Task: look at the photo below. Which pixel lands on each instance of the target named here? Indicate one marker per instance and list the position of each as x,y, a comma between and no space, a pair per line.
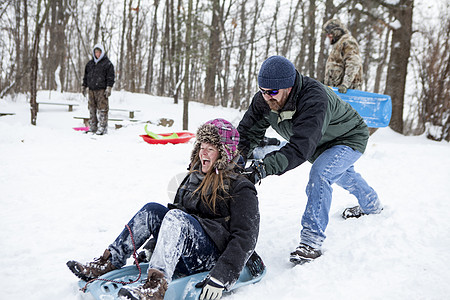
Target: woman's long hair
212,184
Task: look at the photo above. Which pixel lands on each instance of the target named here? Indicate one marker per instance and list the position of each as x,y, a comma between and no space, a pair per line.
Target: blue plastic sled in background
375,109
180,288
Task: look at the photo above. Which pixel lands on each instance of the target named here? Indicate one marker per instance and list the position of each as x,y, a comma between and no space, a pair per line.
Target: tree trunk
322,59
186,94
398,62
17,41
97,20
239,79
165,52
134,50
381,63
290,29
250,74
151,53
214,55
177,54
25,56
311,38
34,59
120,72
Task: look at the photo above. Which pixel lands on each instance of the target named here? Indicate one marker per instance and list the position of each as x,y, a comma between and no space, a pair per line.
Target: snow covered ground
65,195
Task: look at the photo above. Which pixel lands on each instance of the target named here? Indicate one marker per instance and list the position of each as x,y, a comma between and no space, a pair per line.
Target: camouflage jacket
344,64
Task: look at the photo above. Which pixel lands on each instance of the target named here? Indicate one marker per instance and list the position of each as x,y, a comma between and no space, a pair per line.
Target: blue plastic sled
375,109
180,288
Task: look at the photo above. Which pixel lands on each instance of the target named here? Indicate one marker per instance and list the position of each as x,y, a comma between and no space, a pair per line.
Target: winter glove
108,92
241,163
255,265
145,255
269,141
342,89
84,91
255,172
211,289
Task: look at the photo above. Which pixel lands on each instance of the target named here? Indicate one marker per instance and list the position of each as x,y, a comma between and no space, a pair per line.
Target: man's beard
273,104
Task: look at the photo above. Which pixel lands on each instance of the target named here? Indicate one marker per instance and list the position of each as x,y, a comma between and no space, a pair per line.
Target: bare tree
97,20
213,54
187,62
434,79
311,38
239,79
34,57
153,44
398,61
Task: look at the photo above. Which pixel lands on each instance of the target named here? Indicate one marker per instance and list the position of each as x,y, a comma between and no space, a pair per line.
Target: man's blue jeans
334,165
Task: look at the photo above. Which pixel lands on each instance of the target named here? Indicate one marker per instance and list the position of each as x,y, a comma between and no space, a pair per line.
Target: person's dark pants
98,110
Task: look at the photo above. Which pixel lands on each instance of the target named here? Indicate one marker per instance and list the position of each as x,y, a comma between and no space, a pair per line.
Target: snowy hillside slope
66,195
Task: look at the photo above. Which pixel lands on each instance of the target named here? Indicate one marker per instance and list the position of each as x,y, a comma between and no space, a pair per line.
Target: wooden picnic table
69,104
86,120
6,114
130,111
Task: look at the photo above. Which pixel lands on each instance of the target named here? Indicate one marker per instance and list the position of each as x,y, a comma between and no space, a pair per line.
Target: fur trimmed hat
221,134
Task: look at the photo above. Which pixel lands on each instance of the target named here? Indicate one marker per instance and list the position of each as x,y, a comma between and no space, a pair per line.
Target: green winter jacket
313,119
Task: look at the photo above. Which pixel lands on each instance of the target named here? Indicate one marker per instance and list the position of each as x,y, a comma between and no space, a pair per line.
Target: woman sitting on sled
212,225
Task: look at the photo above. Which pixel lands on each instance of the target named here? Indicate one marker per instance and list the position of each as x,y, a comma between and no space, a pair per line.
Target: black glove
147,252
269,141
241,162
255,172
342,89
255,264
211,288
84,90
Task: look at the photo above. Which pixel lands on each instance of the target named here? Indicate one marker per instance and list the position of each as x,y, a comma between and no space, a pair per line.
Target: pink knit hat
223,135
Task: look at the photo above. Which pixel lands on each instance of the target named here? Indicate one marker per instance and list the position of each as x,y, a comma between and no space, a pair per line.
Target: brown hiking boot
304,254
153,289
92,270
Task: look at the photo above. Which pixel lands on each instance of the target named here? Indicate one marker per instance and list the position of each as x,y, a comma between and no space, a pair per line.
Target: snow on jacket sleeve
244,230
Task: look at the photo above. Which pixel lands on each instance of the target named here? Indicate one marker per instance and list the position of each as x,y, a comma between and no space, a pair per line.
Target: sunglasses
269,92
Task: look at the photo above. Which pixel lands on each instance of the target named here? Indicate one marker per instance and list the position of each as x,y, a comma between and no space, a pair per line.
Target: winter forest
209,51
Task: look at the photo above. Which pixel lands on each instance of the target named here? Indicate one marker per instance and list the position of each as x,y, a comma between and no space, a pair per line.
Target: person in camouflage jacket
344,66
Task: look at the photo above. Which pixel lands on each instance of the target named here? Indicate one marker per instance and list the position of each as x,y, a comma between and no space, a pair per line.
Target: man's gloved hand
342,89
211,289
108,92
269,141
255,172
84,90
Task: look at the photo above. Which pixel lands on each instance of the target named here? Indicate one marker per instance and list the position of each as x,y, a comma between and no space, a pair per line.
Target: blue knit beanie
277,72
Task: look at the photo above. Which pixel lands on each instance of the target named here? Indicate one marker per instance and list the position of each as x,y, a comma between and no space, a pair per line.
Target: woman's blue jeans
181,242
334,165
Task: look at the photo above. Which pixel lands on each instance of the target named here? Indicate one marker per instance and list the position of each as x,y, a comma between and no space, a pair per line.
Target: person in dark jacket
320,128
98,81
212,225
